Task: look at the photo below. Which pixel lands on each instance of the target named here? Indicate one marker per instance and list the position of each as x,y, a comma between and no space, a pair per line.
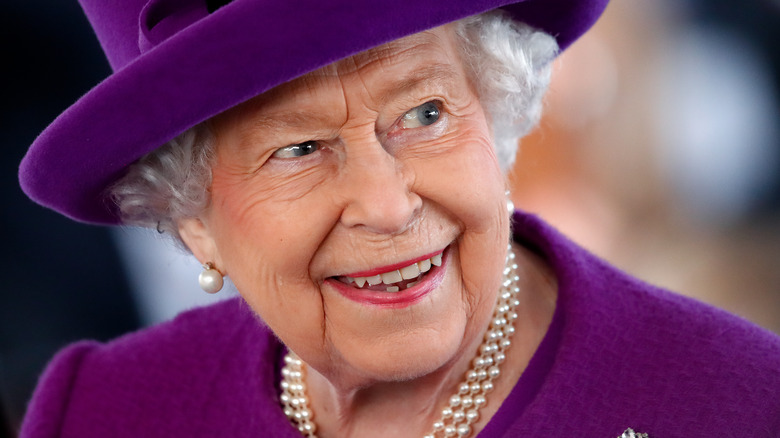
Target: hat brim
238,52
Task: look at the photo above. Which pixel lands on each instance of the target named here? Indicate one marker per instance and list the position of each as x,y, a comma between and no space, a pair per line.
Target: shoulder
160,378
634,355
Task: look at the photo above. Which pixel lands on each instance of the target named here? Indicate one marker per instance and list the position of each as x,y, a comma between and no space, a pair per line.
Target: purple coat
619,353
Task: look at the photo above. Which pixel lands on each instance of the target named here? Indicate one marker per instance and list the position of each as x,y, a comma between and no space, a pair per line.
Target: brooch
629,433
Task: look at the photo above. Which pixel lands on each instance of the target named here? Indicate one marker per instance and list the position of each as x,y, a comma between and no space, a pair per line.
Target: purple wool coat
618,354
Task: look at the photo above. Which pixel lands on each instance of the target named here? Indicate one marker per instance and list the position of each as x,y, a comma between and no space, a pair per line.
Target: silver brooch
629,433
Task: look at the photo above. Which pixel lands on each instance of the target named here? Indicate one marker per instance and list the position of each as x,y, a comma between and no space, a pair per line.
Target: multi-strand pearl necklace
463,407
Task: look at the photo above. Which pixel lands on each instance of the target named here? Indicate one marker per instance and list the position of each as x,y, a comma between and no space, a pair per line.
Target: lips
394,286
393,278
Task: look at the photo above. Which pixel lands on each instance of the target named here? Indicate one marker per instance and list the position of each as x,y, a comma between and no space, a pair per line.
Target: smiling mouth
395,279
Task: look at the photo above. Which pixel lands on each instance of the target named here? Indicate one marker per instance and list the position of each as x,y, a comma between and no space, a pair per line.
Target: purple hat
179,62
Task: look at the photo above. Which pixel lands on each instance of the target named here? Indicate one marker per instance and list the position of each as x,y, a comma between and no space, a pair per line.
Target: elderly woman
344,164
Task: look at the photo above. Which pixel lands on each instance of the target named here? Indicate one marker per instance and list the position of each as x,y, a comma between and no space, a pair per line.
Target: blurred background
659,151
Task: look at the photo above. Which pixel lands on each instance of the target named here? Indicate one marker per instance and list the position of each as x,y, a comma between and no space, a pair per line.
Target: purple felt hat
179,62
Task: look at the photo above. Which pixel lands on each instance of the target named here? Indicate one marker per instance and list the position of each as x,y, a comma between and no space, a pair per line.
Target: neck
379,409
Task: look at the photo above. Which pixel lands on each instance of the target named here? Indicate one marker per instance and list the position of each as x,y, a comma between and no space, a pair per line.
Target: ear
198,239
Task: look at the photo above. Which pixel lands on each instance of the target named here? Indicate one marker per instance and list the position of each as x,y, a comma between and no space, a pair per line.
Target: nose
378,193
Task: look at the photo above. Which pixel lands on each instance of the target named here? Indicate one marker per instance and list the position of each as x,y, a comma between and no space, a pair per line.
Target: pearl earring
210,279
510,206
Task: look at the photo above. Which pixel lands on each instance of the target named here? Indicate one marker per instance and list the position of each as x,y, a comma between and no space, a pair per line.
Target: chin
414,359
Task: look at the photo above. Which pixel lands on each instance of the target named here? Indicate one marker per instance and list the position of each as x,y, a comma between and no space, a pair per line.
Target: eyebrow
269,125
437,73
433,73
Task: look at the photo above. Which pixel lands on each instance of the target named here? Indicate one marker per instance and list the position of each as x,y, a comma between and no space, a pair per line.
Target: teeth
412,284
406,273
391,277
410,272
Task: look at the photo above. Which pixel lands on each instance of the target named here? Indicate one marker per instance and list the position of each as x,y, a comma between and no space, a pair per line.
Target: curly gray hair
508,62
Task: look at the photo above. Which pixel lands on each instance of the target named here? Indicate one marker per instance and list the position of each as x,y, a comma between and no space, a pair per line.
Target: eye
423,115
297,150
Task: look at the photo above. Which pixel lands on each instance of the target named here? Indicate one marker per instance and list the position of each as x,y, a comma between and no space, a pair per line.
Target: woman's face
366,169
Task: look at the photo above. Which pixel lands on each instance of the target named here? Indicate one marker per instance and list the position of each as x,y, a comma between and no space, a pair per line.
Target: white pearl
463,388
458,416
472,415
210,280
466,402
450,430
475,388
455,400
499,357
487,386
493,372
464,430
480,401
446,412
437,426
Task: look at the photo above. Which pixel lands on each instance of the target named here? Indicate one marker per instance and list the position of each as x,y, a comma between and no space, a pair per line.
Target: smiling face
334,190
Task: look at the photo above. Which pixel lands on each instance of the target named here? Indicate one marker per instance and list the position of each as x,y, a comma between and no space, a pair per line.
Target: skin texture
377,189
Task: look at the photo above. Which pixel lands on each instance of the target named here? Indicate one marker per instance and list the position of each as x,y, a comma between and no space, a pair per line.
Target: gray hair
508,62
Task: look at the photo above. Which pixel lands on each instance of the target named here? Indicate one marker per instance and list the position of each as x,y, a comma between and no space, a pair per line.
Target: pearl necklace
463,407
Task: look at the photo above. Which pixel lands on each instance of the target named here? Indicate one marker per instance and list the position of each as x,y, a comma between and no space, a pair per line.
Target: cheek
467,181
471,187
256,219
266,245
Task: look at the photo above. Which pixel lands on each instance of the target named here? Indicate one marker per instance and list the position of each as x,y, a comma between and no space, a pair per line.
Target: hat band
161,19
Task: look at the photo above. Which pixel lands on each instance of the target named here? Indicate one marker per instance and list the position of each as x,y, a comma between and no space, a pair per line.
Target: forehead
436,45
